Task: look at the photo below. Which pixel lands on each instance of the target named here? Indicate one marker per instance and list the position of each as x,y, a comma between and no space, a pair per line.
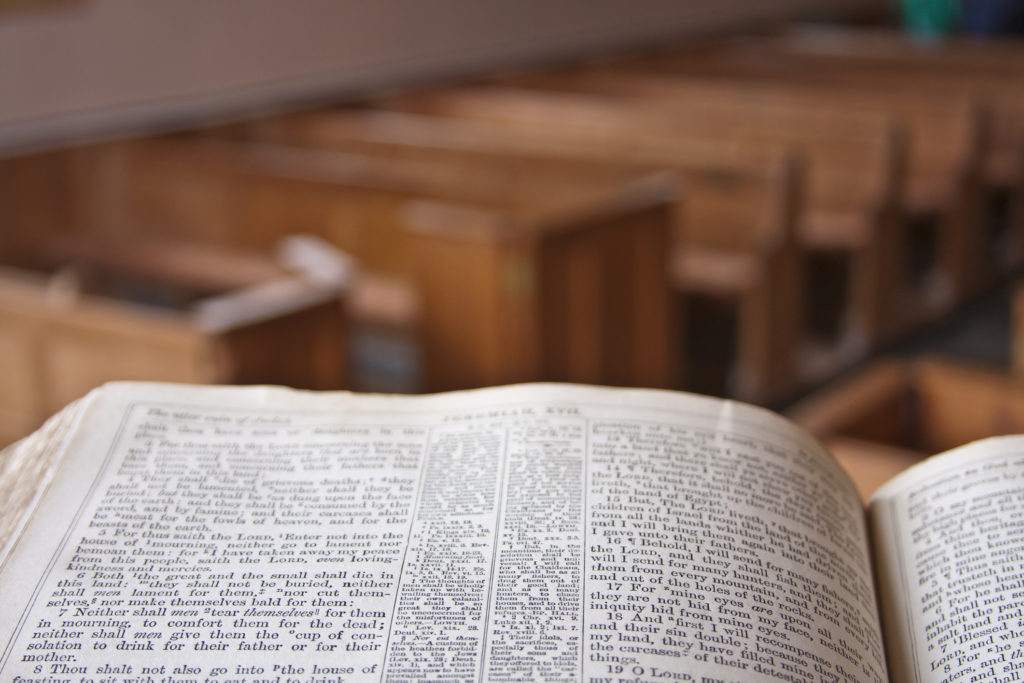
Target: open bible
167,533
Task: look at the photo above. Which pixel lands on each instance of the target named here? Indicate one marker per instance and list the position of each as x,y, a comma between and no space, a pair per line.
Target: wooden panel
59,340
465,283
101,178
873,405
85,347
870,464
926,406
607,311
34,194
307,349
959,404
64,349
22,398
581,296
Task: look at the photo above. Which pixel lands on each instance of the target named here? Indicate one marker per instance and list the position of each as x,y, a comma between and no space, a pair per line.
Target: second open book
535,532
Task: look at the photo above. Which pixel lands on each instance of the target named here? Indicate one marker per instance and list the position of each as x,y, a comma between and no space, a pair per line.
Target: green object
931,18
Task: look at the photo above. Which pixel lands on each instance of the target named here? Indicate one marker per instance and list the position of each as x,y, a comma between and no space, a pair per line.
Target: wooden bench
477,248
942,193
995,97
850,195
737,212
988,69
90,311
894,414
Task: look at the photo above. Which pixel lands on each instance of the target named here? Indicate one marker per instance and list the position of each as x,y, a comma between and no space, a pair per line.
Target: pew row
79,313
734,257
942,257
997,238
486,254
848,215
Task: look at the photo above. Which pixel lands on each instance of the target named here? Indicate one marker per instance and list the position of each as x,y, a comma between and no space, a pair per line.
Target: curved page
949,547
536,532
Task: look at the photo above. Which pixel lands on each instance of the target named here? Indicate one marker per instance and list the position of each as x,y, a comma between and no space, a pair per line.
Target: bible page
950,542
26,468
534,532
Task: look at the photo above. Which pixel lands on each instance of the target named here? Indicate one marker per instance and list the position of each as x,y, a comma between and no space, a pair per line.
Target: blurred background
813,205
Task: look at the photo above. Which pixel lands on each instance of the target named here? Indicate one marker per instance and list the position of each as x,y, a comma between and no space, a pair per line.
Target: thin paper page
950,536
542,532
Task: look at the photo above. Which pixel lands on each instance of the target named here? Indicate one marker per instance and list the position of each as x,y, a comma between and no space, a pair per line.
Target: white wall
89,68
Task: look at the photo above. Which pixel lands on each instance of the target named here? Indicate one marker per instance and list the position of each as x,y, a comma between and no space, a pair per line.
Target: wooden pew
91,311
734,227
942,191
850,196
484,268
990,70
997,96
893,414
575,295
